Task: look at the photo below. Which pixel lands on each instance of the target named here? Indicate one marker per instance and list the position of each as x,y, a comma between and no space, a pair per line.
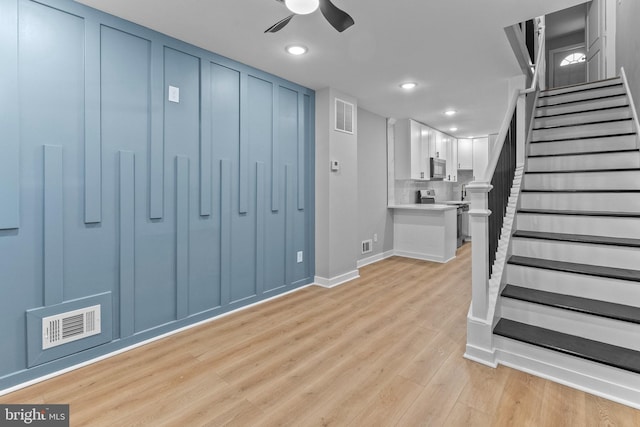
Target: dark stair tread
613,135
583,124
575,85
614,85
585,170
586,153
597,98
580,213
578,304
595,351
593,110
579,238
572,267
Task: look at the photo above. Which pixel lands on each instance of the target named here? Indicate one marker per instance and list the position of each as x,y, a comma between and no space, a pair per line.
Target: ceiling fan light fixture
302,7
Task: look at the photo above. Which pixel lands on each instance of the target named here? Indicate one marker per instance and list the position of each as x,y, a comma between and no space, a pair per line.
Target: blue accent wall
174,212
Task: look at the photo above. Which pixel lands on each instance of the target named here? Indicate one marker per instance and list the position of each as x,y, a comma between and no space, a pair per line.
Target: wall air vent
344,116
70,326
367,246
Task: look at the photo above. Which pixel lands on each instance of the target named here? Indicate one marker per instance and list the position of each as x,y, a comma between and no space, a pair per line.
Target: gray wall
337,192
373,215
628,44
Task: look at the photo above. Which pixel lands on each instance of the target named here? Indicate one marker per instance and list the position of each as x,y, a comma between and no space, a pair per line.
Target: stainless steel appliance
426,196
438,168
462,209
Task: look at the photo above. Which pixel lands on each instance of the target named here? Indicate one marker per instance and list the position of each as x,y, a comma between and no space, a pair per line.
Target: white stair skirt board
601,380
575,224
584,130
619,160
581,87
602,329
336,281
593,104
617,113
374,258
608,202
624,142
621,180
581,253
580,285
580,96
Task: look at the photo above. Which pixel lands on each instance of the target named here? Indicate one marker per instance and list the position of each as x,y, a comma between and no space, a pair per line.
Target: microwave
438,168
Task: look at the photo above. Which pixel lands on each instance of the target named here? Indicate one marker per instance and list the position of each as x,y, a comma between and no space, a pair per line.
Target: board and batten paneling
179,211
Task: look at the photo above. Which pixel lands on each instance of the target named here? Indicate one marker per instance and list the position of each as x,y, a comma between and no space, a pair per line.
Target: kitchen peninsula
425,231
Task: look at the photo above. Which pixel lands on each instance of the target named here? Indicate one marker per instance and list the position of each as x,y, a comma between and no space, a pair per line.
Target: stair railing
489,199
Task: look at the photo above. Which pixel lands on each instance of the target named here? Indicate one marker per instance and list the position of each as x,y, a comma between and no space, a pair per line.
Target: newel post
479,225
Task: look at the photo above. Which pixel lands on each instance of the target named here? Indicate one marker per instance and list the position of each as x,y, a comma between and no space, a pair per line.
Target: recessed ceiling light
453,129
450,112
302,7
408,85
296,50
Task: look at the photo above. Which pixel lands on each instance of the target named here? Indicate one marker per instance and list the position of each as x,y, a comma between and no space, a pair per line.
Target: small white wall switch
299,256
174,94
335,165
375,237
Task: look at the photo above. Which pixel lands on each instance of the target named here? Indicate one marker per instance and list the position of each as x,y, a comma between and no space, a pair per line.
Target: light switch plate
299,258
174,94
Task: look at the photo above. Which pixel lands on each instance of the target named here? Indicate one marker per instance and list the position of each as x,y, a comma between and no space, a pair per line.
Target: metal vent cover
344,116
367,246
70,326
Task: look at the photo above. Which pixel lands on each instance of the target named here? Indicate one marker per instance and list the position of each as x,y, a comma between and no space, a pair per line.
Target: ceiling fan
339,19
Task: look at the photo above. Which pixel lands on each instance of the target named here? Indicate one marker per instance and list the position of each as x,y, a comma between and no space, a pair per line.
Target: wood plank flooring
383,350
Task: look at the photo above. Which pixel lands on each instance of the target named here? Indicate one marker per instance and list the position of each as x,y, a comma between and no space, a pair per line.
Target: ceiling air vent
70,326
344,116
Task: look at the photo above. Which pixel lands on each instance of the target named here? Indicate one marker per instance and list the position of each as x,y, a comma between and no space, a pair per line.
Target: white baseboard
422,256
594,378
336,281
140,344
375,258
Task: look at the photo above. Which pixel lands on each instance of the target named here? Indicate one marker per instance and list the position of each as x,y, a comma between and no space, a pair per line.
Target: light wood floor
382,350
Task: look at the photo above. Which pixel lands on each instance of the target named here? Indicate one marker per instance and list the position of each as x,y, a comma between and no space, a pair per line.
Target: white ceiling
455,49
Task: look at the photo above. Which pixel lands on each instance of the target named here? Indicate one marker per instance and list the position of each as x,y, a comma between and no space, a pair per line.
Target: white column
479,225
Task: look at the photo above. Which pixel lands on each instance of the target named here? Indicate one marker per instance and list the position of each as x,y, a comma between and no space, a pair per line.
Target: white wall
373,216
628,44
336,194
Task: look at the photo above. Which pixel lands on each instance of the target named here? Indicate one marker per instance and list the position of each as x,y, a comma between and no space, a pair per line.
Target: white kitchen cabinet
465,154
452,159
480,157
411,151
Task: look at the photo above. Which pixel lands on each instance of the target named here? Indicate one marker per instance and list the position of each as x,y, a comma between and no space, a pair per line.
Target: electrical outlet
299,259
375,237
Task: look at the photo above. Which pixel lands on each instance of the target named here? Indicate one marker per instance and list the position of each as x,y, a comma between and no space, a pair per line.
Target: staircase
570,309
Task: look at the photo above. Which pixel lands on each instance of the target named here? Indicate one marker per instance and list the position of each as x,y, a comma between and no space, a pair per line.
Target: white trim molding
336,281
374,258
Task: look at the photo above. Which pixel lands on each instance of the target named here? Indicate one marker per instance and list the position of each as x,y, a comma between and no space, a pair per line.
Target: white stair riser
580,96
580,285
610,202
576,224
594,104
621,180
609,331
581,131
586,117
627,142
581,253
583,162
582,87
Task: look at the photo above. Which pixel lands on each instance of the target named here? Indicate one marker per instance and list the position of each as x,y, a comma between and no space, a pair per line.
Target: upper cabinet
415,144
465,154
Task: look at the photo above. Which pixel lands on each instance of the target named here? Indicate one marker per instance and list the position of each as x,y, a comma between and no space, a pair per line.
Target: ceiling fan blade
279,25
336,17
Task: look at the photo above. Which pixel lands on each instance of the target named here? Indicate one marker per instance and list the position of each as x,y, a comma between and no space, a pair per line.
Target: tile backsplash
405,190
